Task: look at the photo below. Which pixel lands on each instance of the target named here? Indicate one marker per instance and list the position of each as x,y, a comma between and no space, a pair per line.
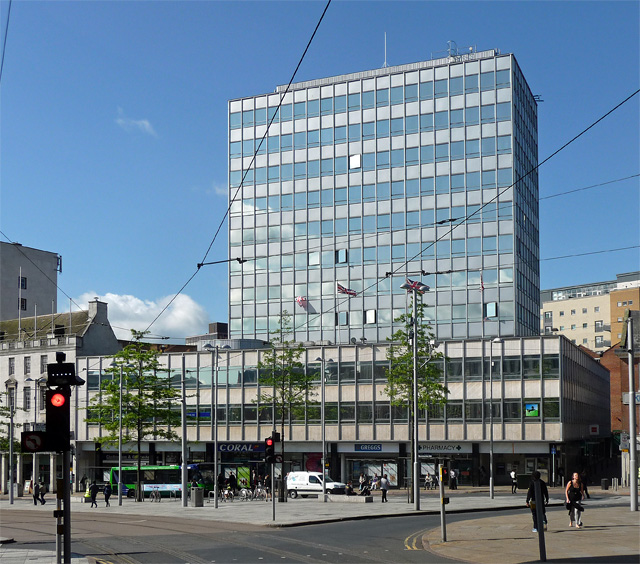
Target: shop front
372,459
458,456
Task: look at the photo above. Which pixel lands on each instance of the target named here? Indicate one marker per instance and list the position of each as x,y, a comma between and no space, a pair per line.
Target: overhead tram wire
215,236
266,133
588,187
4,43
466,219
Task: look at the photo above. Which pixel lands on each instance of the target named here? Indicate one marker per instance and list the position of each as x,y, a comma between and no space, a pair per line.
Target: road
136,539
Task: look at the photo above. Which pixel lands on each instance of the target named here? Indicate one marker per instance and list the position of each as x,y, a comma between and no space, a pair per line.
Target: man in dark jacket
531,499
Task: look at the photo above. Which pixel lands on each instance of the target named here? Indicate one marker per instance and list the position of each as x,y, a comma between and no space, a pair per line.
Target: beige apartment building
590,314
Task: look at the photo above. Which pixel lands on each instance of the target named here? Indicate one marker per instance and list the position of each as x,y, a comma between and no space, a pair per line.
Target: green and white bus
163,479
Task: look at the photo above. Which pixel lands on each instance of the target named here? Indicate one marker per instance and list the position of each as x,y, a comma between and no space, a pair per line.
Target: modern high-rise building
367,178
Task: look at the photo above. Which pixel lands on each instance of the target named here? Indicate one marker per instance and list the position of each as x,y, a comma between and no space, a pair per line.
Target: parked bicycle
155,495
260,494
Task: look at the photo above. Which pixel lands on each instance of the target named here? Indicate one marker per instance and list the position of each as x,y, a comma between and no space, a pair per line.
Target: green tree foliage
283,381
148,400
399,386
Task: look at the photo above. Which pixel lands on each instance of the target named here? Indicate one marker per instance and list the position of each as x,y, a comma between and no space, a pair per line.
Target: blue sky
113,131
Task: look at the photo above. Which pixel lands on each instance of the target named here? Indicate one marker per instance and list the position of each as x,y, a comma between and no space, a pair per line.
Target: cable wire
215,236
4,43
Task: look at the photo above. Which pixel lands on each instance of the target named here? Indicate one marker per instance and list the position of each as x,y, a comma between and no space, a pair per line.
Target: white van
310,483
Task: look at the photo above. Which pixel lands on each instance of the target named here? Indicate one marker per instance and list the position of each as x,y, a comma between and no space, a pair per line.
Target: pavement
611,532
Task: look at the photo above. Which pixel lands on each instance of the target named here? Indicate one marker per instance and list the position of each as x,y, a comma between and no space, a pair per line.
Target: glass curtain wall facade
367,178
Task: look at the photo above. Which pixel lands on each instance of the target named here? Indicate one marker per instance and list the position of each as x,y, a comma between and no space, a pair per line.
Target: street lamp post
120,442
415,288
491,489
11,400
322,422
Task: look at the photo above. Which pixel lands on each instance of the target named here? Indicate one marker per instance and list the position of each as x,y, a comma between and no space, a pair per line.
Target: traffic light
269,451
58,419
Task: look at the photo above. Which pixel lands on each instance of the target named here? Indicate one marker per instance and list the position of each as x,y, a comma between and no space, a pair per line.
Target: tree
148,400
399,386
286,385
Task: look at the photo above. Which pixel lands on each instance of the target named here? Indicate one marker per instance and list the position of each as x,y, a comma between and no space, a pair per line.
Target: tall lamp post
323,378
415,287
121,367
496,340
11,400
215,368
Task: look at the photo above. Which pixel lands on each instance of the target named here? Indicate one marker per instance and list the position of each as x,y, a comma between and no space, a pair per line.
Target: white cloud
183,318
129,124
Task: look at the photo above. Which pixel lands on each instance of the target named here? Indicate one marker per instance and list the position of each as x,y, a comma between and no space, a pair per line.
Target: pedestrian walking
384,487
36,493
453,480
107,494
43,491
531,500
83,482
514,482
93,490
574,494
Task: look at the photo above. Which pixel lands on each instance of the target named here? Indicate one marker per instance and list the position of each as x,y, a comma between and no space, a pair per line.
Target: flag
417,286
343,290
301,301
481,284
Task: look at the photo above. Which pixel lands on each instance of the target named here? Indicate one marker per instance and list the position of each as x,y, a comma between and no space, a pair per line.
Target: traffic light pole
66,500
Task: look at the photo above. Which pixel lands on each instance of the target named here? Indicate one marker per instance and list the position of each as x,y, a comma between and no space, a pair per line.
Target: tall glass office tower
424,170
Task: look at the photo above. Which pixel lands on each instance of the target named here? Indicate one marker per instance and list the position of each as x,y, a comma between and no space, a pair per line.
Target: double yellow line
414,541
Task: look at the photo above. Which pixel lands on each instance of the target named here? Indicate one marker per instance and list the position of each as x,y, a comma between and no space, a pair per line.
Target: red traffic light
269,442
58,400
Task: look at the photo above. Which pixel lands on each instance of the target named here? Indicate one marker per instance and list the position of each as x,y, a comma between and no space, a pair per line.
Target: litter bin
197,497
604,484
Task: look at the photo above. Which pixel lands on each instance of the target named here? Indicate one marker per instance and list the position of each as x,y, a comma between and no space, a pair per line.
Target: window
341,256
619,304
26,398
584,310
573,312
43,364
548,315
562,314
596,309
585,326
599,341
573,327
23,304
599,326
22,282
12,366
370,316
342,318
27,365
585,341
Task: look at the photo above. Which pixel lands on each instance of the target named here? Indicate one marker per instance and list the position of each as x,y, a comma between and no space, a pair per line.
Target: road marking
411,542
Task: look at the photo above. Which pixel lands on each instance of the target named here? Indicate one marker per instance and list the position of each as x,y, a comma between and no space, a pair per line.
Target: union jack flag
416,285
481,284
301,301
343,290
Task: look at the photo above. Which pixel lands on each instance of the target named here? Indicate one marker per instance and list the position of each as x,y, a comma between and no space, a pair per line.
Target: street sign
33,441
625,398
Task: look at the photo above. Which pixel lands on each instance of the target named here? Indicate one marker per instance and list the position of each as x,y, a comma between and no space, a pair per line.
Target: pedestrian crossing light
269,450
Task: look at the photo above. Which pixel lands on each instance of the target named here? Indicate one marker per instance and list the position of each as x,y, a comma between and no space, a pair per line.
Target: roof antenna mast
384,65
